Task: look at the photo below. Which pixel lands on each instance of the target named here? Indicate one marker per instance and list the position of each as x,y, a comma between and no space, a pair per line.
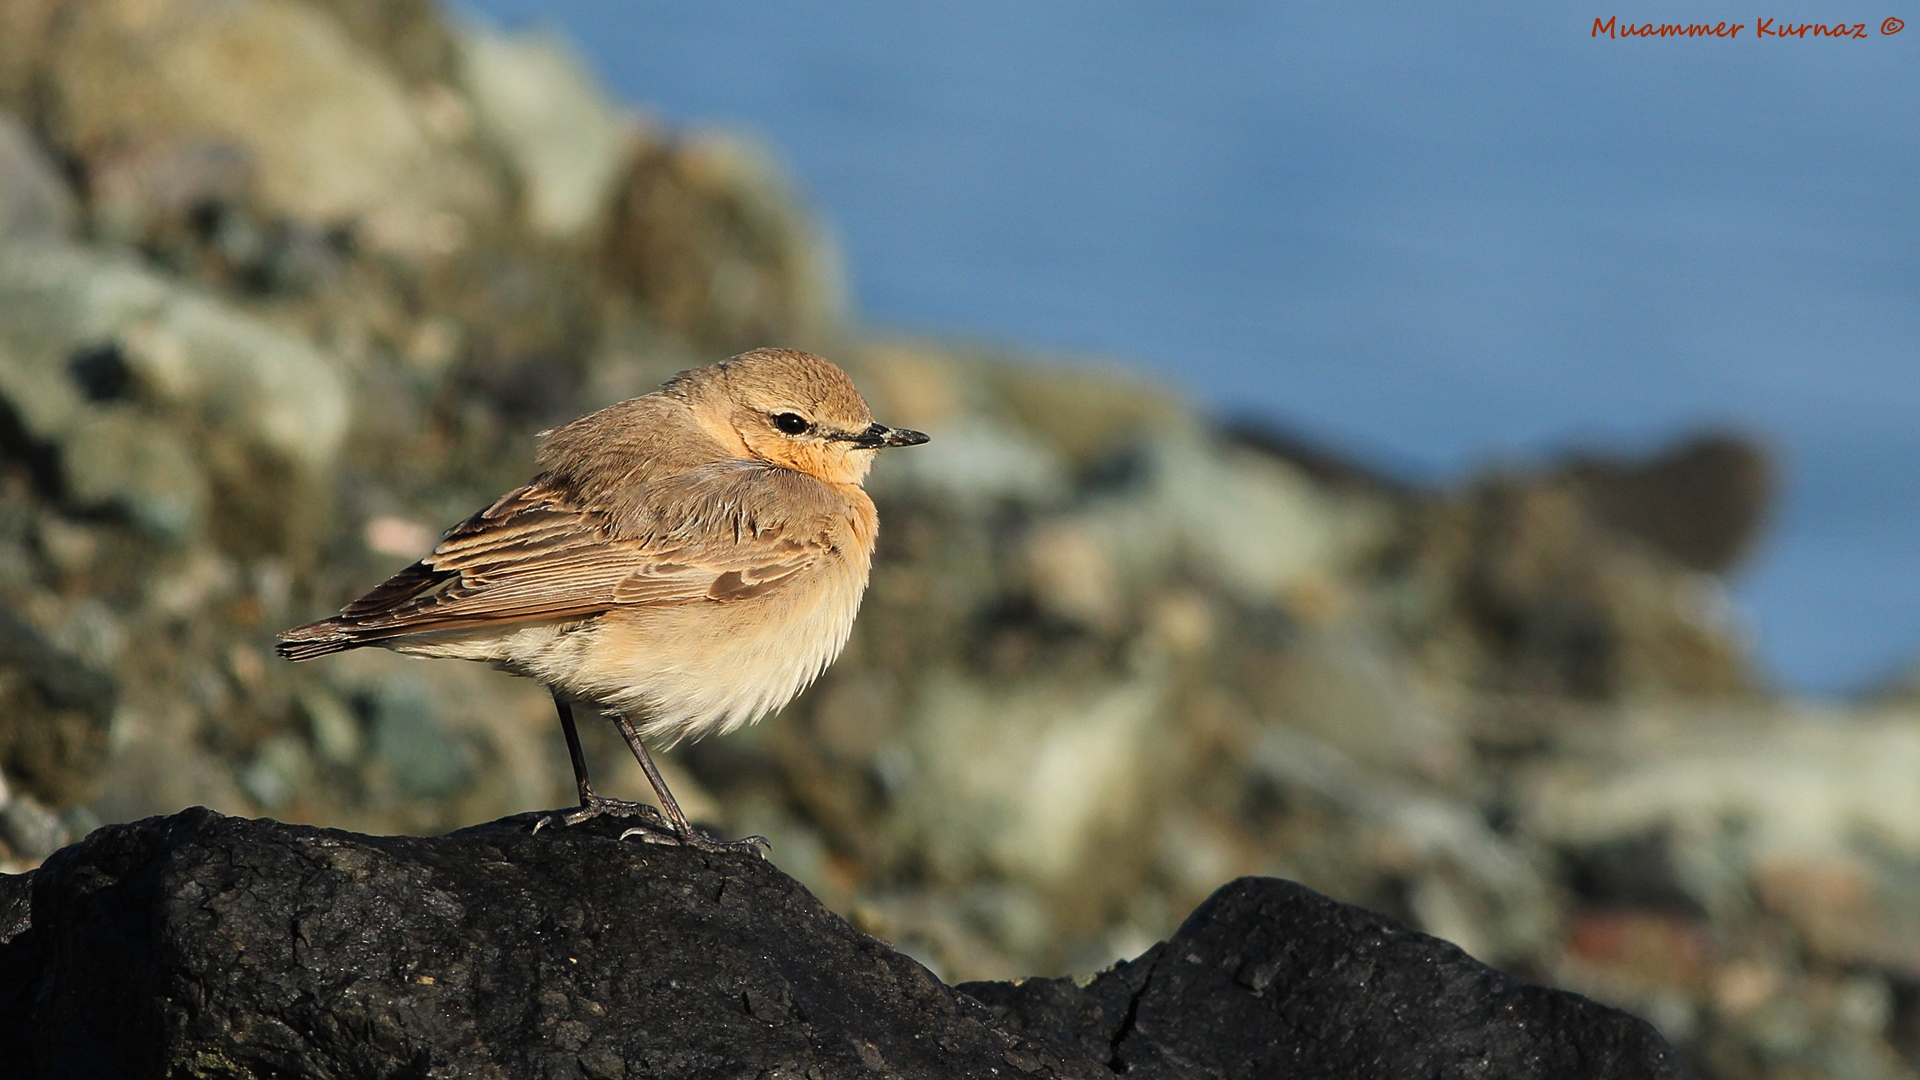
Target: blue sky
1436,238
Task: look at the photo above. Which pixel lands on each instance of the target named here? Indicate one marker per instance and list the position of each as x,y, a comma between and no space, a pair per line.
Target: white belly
689,670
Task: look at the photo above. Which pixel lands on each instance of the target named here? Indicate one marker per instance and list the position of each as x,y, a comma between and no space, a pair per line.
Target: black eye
791,423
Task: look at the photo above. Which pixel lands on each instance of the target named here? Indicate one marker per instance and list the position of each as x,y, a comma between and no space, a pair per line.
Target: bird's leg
683,829
592,805
578,755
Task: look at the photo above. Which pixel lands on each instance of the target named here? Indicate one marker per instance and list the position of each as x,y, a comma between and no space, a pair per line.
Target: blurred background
1456,462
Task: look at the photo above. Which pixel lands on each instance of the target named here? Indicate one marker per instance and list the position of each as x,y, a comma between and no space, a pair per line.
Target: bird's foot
593,806
699,841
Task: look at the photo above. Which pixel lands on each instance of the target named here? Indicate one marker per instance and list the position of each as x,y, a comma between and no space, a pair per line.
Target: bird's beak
900,436
879,435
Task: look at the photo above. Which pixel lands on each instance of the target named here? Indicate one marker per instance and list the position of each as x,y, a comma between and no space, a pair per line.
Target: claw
759,845
593,806
666,825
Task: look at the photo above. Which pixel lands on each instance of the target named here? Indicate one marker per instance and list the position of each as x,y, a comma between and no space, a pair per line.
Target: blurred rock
1326,466
567,141
1343,682
123,461
707,239
1813,816
55,712
980,462
29,832
1511,585
34,201
156,194
1248,523
920,386
1085,412
165,402
1033,782
411,36
409,744
1702,501
1479,890
23,29
336,137
527,320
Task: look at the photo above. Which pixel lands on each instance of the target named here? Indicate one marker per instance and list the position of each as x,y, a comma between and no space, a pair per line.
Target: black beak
879,435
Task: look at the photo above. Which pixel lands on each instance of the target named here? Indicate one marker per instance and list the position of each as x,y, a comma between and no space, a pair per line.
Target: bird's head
798,411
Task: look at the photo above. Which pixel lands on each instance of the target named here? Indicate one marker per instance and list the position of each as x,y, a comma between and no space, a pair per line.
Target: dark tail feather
346,630
317,639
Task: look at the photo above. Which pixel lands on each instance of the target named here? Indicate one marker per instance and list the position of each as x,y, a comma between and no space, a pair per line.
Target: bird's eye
791,423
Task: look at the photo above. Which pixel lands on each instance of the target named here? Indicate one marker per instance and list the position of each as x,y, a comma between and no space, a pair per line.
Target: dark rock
16,907
1704,501
20,965
1547,600
1269,978
1331,467
200,945
102,372
203,945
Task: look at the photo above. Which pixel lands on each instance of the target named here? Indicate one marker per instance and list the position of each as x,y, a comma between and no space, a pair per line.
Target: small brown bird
686,561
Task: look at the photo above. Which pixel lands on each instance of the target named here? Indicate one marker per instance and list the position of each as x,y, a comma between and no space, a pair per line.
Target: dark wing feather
532,557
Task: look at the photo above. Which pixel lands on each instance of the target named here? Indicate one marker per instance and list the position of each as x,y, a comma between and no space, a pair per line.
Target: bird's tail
369,620
317,639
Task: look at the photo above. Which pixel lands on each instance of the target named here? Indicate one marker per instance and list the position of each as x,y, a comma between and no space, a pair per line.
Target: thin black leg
573,749
667,802
682,828
592,805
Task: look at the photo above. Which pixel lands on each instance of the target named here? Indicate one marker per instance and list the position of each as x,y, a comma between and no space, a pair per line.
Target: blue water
1432,238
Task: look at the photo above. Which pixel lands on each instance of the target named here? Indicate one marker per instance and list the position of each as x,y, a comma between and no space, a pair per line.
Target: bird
686,562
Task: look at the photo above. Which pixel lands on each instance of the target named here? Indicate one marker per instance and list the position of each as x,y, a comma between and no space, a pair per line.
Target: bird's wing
532,556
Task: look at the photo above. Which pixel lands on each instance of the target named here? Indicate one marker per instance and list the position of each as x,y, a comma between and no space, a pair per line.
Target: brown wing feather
534,557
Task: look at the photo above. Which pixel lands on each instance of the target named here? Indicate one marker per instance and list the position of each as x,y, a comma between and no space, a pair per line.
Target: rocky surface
1268,978
202,945
287,286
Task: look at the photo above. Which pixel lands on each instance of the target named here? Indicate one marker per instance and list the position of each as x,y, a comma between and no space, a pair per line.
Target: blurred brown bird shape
686,561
